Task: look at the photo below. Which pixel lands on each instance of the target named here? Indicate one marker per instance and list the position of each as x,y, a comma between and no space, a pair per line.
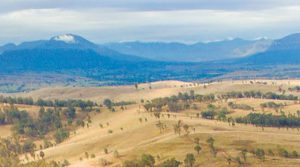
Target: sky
148,20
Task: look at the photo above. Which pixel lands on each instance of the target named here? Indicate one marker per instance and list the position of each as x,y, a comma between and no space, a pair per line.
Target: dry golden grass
117,93
138,138
5,131
144,137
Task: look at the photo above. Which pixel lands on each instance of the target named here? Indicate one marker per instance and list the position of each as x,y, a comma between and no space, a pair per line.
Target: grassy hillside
125,132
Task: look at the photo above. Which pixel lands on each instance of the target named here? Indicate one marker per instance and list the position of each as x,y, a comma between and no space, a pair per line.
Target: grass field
133,131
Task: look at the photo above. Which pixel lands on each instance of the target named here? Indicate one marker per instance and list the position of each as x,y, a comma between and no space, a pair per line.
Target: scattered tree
189,160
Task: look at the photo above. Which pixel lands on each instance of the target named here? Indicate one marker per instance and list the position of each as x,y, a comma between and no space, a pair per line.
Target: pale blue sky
148,20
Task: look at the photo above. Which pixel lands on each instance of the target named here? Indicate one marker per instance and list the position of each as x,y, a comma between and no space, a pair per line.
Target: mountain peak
70,40
67,38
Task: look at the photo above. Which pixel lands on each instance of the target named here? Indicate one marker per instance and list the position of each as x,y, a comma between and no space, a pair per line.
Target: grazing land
164,124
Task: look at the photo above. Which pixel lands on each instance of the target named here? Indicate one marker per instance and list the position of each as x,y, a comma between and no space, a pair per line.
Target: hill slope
134,131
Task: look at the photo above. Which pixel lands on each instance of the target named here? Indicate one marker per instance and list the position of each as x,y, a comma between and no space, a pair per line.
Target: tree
93,156
42,154
211,142
295,154
160,125
197,148
108,103
260,153
186,128
189,160
177,128
197,140
86,155
105,151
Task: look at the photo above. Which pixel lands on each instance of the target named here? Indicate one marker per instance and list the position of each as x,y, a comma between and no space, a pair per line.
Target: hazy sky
148,20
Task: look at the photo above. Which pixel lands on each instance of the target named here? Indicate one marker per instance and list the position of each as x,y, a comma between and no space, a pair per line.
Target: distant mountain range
281,51
233,48
60,53
132,62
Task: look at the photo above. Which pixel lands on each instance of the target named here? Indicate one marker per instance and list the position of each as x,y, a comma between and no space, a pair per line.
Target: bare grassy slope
158,89
137,138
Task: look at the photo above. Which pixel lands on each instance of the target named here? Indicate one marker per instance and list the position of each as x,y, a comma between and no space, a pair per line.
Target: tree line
270,120
183,101
48,103
257,94
272,105
296,88
178,102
